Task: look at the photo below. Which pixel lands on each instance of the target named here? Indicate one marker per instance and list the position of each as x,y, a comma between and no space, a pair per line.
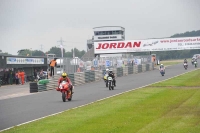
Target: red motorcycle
64,88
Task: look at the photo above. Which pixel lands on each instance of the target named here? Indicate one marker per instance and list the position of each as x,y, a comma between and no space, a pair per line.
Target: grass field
171,62
172,106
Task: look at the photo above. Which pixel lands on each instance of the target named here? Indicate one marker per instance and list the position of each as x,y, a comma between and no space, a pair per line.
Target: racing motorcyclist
64,77
111,74
162,66
185,61
105,76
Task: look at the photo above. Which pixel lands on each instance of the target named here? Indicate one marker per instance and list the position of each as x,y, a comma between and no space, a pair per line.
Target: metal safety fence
73,65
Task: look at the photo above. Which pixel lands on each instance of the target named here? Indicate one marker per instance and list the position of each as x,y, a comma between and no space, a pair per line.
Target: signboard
137,61
107,63
95,63
14,60
165,44
108,37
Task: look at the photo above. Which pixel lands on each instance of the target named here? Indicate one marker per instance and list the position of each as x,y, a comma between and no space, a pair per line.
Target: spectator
78,70
13,76
22,76
16,78
35,74
6,76
10,72
41,73
19,77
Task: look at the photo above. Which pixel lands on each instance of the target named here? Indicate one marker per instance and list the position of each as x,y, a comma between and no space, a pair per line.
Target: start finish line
165,44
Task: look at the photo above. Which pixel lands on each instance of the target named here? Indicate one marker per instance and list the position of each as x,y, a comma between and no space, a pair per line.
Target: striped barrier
125,71
130,70
139,68
144,67
119,72
135,69
147,67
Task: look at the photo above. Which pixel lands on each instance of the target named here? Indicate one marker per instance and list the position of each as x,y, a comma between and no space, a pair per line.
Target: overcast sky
26,24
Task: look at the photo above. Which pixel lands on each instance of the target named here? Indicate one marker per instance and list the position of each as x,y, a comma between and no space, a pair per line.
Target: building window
96,33
117,32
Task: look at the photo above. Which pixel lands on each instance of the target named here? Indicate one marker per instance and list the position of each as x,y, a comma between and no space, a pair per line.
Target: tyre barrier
119,72
130,70
42,87
147,67
87,77
139,68
33,87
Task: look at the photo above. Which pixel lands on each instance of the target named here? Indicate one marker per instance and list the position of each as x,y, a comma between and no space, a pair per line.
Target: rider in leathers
185,61
64,77
111,74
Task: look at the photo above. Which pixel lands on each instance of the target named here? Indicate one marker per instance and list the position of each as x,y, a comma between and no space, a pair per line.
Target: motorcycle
64,88
162,71
185,66
110,83
195,64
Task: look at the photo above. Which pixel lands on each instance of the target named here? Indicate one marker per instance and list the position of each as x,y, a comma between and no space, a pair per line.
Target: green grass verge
171,62
151,109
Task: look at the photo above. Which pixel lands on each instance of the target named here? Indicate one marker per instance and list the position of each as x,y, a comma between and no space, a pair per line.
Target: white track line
94,101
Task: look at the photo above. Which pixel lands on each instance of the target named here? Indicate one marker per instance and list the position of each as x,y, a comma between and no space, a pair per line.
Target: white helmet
161,64
107,70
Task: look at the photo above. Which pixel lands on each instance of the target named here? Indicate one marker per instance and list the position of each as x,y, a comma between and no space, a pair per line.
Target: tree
4,53
38,53
56,51
24,52
69,54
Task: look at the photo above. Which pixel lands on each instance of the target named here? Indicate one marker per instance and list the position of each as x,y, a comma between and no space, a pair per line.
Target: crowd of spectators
18,77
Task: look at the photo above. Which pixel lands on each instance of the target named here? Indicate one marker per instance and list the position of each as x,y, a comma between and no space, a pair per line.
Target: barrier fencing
94,75
73,65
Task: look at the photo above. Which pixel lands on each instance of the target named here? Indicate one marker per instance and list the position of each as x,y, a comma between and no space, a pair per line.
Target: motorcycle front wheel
109,86
63,96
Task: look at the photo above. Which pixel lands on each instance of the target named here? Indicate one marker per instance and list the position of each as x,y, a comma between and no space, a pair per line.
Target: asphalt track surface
17,110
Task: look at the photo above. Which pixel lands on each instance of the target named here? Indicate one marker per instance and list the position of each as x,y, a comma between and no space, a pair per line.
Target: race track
14,111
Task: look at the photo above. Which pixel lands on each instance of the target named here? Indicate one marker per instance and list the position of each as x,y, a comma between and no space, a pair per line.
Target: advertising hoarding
165,44
14,60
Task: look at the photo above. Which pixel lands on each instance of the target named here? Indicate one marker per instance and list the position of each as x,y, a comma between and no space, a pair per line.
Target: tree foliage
69,54
28,52
24,52
56,51
38,53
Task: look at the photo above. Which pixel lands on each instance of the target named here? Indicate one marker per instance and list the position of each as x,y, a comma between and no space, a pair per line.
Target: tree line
54,50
